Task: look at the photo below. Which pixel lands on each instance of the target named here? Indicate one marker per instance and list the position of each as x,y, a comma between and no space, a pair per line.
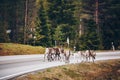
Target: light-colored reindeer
87,55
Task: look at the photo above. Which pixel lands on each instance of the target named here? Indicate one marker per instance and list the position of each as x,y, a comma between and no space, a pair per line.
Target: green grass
101,70
19,49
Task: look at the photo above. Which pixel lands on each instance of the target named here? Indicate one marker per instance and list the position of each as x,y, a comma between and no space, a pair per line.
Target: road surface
11,66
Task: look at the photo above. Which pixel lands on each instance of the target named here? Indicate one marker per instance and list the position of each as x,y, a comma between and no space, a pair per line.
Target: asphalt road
11,66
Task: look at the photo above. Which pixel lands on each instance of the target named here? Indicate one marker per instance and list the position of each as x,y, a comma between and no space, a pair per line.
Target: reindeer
87,55
62,54
82,55
65,55
57,54
46,53
50,54
92,54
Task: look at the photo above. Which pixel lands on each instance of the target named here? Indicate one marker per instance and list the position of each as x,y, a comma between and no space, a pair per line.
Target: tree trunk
25,28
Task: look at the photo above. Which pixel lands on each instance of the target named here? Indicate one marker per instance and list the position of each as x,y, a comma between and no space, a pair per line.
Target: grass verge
19,49
101,70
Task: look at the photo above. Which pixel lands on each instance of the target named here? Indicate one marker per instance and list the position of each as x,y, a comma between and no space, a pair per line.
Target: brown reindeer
49,53
65,55
87,55
57,54
52,54
92,54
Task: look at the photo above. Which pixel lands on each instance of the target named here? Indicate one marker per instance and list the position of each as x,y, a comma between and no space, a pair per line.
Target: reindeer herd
61,54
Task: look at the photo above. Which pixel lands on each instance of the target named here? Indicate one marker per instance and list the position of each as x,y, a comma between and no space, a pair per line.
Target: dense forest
90,24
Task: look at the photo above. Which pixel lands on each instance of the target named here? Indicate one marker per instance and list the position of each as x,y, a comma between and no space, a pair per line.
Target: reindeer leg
48,57
59,56
86,59
44,57
93,60
89,58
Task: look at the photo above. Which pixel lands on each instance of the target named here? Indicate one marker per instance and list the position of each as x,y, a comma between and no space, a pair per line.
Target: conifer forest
93,24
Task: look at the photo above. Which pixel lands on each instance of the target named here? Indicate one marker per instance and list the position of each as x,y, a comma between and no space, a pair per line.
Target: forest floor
100,70
19,49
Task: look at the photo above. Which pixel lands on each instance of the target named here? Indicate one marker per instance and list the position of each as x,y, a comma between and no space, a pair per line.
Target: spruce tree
61,13
109,22
43,27
58,36
90,39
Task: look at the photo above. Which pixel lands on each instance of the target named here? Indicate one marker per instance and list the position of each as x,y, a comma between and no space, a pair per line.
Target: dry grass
19,49
102,70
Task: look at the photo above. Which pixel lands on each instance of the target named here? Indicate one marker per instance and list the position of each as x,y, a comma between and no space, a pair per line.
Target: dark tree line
109,22
12,17
44,22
